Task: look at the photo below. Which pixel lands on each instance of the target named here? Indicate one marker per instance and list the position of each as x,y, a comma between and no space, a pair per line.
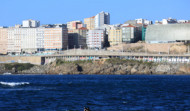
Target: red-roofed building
130,33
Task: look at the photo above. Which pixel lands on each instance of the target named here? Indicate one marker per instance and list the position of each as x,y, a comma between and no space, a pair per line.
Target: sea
98,92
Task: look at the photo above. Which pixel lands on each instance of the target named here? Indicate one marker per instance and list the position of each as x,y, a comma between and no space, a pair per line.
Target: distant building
115,36
74,24
168,33
95,38
130,33
143,21
55,38
90,23
77,37
139,22
101,19
182,21
3,40
32,39
167,21
30,23
140,29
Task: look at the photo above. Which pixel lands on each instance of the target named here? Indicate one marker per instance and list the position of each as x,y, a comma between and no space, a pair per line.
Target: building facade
55,38
167,33
74,24
30,40
90,23
95,38
3,40
77,37
101,19
115,36
129,33
30,23
143,21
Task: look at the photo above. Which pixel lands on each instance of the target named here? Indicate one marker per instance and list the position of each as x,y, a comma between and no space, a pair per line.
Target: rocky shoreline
103,67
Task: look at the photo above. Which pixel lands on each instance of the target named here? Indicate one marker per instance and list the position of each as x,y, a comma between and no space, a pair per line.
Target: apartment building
143,21
77,37
30,23
3,40
101,19
14,40
90,23
95,38
129,33
30,40
74,24
115,36
55,38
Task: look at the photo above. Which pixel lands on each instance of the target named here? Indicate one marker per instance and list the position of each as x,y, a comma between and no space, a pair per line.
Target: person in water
86,109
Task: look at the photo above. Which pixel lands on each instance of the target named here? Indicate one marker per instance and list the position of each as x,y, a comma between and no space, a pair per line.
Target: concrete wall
38,60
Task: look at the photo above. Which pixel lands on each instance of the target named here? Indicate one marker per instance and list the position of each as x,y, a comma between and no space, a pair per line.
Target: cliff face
113,66
116,66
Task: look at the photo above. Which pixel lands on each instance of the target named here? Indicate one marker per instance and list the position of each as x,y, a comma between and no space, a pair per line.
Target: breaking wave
12,84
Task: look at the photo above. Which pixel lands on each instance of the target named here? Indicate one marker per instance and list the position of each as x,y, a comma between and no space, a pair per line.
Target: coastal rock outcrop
110,66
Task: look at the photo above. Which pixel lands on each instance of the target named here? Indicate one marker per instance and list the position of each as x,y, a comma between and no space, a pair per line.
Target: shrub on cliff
59,62
18,66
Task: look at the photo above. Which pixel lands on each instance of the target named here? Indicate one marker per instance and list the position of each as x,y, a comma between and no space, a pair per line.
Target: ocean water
98,92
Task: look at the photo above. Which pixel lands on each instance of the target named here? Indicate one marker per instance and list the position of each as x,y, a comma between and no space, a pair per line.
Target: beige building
115,36
55,38
90,23
3,40
74,24
30,40
14,40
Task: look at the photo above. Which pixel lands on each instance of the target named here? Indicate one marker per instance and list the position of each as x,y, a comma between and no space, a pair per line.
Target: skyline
62,11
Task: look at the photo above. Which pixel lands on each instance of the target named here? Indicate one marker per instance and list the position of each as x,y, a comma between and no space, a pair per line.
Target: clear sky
61,11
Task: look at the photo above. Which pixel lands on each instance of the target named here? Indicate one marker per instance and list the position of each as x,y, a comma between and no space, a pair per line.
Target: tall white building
95,38
30,23
25,40
101,19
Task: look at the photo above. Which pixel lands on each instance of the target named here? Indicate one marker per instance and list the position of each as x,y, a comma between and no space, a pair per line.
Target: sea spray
12,84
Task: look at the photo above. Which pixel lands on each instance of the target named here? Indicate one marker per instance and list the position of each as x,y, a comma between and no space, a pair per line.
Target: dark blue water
100,93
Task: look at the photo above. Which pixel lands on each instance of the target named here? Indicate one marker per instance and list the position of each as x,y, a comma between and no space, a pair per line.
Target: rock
113,67
134,70
162,69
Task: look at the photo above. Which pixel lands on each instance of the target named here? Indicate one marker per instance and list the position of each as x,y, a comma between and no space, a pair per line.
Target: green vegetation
149,63
112,61
59,62
116,61
123,61
18,66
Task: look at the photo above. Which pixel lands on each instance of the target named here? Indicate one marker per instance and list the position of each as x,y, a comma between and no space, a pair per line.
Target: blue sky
61,11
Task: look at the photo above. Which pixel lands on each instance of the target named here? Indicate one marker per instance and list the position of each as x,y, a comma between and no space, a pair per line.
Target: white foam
12,84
